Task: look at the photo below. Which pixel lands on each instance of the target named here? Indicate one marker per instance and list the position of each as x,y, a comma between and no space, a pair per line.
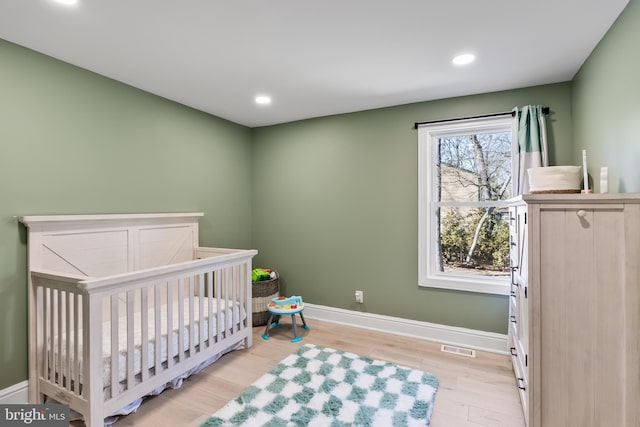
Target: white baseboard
463,337
17,394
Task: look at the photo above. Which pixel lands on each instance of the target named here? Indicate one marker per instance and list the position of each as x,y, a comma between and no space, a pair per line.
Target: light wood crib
121,306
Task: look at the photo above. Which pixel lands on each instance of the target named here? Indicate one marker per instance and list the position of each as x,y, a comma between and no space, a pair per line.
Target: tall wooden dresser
574,314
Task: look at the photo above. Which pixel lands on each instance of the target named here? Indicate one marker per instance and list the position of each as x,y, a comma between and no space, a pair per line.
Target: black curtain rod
545,110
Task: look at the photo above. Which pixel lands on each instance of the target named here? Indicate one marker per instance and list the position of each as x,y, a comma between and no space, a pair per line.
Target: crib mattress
236,313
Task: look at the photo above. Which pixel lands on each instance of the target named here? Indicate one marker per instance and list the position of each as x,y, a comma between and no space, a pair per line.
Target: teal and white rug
319,386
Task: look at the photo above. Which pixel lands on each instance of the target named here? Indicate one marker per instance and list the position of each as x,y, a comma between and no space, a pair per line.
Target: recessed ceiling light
464,59
67,2
263,99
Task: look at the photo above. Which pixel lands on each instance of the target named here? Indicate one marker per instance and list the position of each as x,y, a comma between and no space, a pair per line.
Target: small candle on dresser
585,183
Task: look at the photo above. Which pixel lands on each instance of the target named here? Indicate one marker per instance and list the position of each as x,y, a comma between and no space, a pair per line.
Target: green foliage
454,242
457,233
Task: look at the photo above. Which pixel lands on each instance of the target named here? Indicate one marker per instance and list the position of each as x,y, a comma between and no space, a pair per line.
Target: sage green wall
606,105
74,142
335,202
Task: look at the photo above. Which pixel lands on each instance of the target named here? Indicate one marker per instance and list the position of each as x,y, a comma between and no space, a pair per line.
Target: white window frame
428,276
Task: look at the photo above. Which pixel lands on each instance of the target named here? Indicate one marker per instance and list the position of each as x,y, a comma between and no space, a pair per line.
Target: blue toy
282,306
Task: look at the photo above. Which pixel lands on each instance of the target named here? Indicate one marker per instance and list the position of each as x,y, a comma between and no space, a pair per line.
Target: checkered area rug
319,386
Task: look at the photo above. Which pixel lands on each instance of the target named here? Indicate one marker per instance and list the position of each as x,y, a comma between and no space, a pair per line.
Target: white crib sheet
137,359
239,314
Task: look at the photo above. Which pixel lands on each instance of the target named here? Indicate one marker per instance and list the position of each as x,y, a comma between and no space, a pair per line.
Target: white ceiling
314,58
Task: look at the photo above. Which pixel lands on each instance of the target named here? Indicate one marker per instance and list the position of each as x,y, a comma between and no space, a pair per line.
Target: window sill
467,284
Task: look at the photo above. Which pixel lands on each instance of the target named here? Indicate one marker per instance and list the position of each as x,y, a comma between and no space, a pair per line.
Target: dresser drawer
518,360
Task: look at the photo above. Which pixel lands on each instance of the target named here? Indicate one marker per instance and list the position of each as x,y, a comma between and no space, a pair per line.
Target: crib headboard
104,245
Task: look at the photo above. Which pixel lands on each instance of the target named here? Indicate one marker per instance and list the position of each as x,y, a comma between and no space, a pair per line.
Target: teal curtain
529,144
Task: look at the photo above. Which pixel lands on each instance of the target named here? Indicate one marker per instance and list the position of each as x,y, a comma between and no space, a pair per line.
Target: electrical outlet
360,296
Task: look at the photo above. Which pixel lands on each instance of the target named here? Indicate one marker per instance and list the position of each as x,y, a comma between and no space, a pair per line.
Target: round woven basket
262,293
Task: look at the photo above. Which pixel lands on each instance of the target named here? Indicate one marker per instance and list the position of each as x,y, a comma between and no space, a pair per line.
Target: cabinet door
581,298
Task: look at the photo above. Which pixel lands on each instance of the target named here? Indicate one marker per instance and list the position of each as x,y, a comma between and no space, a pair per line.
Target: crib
123,306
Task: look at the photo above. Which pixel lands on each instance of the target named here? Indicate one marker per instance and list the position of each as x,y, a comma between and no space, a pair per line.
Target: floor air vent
458,350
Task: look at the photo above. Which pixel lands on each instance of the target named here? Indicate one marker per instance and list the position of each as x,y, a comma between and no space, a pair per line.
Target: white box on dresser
574,312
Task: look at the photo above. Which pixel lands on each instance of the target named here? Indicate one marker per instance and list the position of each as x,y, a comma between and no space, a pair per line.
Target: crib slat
201,317
53,332
241,292
229,307
241,295
157,316
231,271
240,301
234,298
210,302
227,294
46,368
115,338
77,340
247,302
192,322
180,320
68,310
144,323
130,339
219,278
59,332
170,325
222,306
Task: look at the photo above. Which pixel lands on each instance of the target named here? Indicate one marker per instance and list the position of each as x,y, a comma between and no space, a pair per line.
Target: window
464,181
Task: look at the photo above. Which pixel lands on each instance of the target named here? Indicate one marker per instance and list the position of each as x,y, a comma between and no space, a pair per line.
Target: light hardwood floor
476,392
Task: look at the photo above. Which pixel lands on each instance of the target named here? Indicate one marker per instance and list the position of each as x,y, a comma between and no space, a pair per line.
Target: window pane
474,241
474,167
